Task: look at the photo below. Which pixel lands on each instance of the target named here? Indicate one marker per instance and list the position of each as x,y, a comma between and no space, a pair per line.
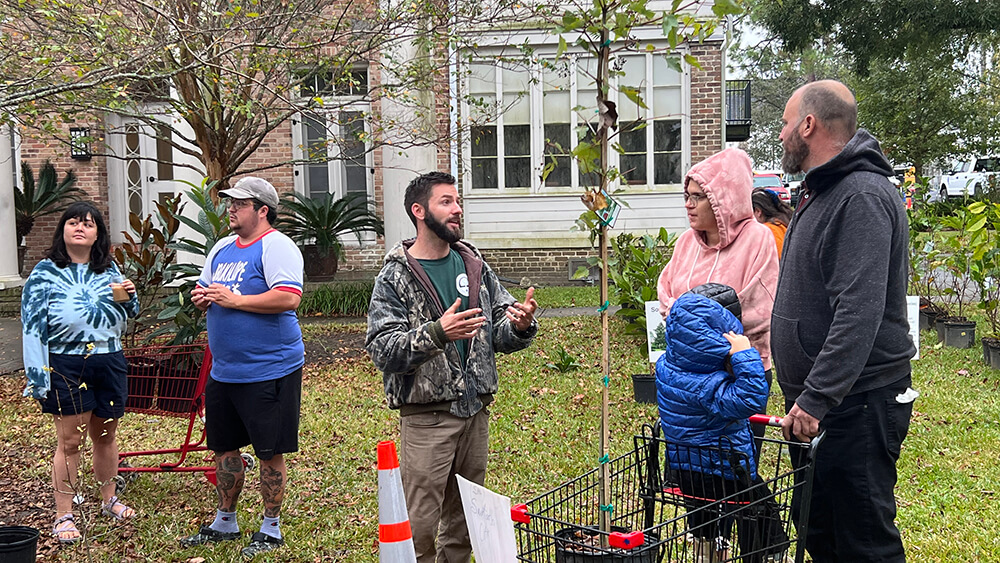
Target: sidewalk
10,332
10,345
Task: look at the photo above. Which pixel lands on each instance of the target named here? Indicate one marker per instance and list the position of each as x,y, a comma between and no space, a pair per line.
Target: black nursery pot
644,388
18,544
958,334
991,352
927,317
566,551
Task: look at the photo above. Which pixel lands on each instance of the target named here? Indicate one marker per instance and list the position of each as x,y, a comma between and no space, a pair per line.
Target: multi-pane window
557,124
483,138
333,144
526,121
327,83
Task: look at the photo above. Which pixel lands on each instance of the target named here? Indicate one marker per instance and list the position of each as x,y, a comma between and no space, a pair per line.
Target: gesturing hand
461,325
521,314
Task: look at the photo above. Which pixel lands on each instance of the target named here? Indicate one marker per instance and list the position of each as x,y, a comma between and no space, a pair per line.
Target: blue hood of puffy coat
701,404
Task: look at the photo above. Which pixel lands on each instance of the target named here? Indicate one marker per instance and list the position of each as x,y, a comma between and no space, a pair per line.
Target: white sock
270,527
225,522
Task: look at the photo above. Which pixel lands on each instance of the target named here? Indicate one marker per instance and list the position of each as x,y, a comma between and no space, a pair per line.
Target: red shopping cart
665,507
169,381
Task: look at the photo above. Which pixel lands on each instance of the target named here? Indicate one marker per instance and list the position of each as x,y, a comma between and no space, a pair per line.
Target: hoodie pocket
792,361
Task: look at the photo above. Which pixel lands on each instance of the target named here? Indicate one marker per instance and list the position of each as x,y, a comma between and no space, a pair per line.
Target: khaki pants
435,447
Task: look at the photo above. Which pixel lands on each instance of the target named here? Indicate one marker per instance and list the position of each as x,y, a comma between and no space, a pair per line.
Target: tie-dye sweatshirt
69,311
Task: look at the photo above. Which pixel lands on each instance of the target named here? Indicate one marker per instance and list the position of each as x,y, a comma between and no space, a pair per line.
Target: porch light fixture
79,139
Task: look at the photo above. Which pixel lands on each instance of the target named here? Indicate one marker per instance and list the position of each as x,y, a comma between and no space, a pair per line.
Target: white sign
656,342
913,317
490,527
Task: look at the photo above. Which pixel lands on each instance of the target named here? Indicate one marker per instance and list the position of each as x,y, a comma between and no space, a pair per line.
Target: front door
140,172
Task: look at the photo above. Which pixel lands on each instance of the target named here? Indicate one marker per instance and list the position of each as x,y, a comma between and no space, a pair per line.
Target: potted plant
985,270
961,250
318,225
633,270
38,199
924,227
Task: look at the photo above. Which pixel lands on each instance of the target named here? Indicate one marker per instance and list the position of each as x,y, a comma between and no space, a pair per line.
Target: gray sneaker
207,535
261,543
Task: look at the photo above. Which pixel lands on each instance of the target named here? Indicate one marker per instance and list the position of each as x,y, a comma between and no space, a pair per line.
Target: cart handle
766,419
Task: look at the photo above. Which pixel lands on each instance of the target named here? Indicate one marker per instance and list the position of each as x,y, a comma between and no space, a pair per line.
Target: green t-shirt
451,282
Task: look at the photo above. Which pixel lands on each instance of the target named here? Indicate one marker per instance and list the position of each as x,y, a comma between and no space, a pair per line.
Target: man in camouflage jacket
438,361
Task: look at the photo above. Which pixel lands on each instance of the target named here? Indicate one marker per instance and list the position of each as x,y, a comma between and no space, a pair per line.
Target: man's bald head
833,105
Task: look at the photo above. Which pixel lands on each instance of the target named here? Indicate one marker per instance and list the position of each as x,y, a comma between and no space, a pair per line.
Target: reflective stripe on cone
395,540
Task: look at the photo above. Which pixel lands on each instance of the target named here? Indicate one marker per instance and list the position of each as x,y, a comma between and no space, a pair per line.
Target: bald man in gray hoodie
839,333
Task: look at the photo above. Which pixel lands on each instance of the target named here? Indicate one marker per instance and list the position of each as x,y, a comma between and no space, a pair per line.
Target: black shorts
94,382
265,414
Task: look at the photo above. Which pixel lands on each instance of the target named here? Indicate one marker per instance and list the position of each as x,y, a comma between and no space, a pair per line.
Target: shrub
344,298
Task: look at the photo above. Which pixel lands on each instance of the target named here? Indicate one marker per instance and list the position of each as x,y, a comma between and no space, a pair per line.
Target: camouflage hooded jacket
406,341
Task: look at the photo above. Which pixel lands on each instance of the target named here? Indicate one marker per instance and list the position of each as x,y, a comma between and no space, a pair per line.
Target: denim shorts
82,383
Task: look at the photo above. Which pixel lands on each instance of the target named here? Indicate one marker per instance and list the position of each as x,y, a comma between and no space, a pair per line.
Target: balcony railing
737,110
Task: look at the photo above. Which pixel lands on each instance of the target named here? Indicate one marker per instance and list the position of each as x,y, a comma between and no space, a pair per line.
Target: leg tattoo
272,485
229,474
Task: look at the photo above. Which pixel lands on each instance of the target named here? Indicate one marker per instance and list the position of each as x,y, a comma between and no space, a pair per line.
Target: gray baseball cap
250,187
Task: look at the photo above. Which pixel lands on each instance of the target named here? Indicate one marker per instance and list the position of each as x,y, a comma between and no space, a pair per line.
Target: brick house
521,222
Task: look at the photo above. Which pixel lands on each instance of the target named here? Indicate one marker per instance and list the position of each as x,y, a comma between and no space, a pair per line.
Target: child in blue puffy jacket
708,383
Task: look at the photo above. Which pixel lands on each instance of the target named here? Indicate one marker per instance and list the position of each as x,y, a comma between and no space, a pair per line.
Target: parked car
773,183
969,177
793,181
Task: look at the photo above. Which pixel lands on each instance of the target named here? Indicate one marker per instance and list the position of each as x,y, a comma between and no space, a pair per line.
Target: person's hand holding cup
121,288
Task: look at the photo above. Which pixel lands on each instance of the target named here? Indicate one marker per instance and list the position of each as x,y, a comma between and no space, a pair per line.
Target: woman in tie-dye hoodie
73,358
725,244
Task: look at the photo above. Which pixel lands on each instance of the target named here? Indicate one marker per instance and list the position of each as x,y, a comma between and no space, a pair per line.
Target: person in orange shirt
773,213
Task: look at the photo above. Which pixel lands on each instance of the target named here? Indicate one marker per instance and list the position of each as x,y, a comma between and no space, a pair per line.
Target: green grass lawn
544,431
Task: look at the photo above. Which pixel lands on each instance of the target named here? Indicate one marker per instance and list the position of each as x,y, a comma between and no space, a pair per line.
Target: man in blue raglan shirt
250,286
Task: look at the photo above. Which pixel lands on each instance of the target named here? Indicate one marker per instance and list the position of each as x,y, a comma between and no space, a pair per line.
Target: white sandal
65,525
123,513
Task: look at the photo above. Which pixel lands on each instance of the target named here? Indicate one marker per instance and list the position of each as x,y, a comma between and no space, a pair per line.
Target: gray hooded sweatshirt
839,325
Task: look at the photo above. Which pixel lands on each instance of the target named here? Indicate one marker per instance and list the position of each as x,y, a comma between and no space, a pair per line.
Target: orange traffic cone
395,540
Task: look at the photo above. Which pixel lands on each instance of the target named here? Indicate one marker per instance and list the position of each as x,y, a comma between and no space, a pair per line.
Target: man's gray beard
442,230
794,154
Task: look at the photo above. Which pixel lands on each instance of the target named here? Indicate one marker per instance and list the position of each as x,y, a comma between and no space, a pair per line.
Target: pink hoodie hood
745,258
727,179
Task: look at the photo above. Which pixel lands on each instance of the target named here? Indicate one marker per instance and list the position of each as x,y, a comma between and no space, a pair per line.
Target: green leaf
669,23
580,273
723,8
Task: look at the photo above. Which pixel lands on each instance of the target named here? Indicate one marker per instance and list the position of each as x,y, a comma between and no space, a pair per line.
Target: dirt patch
328,347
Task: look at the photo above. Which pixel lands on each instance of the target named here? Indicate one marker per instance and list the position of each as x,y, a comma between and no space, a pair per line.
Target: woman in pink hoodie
725,244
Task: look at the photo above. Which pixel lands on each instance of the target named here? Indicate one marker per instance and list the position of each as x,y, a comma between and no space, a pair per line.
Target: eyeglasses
694,198
238,204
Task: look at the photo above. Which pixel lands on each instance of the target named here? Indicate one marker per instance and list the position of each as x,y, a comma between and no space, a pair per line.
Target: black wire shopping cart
666,504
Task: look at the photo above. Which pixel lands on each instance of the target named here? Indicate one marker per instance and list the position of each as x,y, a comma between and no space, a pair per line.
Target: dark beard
796,152
442,230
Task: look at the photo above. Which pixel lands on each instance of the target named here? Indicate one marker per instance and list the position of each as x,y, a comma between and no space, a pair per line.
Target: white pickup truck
969,177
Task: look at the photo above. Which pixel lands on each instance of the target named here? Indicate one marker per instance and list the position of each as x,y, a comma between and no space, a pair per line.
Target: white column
400,165
9,276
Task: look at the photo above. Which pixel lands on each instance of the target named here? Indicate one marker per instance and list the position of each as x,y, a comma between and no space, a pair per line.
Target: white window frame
537,123
335,166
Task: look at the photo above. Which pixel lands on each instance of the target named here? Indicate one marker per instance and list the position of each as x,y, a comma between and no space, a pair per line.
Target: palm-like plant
323,222
47,196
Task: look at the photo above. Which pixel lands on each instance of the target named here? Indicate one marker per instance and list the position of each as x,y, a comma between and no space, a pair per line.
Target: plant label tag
913,317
